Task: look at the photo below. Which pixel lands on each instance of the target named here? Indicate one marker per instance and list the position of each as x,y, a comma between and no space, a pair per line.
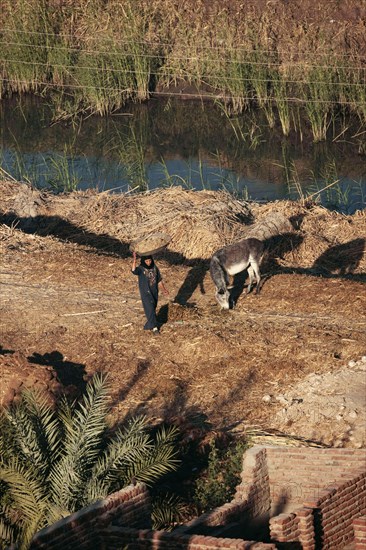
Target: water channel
176,142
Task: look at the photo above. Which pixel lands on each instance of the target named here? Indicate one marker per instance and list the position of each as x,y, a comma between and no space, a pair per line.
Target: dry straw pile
200,222
326,241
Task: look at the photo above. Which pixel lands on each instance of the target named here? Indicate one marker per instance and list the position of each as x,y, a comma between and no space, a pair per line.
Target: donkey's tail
218,273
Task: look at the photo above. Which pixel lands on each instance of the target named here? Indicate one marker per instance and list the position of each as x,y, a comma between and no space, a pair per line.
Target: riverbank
293,61
70,307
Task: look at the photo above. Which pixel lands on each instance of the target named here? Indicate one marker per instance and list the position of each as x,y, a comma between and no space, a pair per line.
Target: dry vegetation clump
12,238
178,312
325,240
199,222
334,242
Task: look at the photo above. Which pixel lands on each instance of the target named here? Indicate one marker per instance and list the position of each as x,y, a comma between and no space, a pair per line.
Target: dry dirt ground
291,360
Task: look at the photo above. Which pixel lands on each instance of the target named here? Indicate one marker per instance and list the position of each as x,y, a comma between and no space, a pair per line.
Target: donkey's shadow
238,286
342,259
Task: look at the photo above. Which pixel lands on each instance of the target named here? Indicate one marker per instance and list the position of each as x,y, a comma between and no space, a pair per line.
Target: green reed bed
132,159
16,168
319,91
54,171
352,89
99,70
24,51
96,56
324,186
103,78
103,82
281,93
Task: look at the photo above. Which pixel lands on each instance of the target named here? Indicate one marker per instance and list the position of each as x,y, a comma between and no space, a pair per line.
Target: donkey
232,259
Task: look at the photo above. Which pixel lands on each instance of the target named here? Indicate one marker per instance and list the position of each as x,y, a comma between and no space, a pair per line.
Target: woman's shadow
193,280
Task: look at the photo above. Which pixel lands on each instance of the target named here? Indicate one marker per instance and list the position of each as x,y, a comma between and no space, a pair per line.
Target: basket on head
150,244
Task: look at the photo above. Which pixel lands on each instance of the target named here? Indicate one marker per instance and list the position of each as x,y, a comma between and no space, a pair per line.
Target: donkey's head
222,296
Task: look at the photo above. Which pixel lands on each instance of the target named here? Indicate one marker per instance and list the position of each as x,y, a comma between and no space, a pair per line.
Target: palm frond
6,435
166,436
89,419
65,483
64,413
32,431
82,444
25,493
111,465
7,533
167,511
136,425
9,439
30,529
132,453
161,458
56,512
45,420
114,466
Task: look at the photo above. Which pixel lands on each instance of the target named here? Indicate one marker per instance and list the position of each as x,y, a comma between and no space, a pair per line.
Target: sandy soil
291,359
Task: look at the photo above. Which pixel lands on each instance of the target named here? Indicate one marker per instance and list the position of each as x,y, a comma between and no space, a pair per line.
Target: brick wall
295,526
335,510
359,528
318,493
251,500
305,497
308,496
254,487
130,506
297,475
116,538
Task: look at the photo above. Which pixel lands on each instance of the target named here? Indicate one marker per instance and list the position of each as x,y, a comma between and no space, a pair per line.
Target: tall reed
281,92
61,173
320,98
24,50
96,56
352,89
131,153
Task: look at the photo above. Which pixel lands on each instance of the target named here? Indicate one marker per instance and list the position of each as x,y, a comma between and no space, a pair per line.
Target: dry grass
60,296
200,222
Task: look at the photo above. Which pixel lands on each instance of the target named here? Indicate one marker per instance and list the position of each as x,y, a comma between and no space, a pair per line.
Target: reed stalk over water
96,56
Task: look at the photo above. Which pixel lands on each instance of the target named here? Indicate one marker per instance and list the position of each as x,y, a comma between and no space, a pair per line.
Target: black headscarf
143,263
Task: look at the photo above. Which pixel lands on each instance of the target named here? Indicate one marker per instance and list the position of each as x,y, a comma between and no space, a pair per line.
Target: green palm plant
167,511
53,461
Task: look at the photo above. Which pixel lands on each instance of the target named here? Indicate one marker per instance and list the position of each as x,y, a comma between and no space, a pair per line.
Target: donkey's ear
221,291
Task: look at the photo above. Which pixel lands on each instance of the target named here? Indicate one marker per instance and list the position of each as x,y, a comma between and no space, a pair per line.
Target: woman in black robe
150,281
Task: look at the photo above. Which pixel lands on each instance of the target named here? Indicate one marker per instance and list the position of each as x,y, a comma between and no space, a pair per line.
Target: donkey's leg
230,282
251,278
255,267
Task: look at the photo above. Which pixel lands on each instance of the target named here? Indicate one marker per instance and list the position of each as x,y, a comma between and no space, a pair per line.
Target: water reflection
178,143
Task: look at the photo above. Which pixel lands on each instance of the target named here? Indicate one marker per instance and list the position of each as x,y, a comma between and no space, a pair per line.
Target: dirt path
69,310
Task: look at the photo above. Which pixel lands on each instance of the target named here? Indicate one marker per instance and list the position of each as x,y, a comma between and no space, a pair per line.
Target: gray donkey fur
232,259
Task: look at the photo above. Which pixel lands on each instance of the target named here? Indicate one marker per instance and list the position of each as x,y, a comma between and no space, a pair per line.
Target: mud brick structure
359,528
299,498
130,506
318,492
